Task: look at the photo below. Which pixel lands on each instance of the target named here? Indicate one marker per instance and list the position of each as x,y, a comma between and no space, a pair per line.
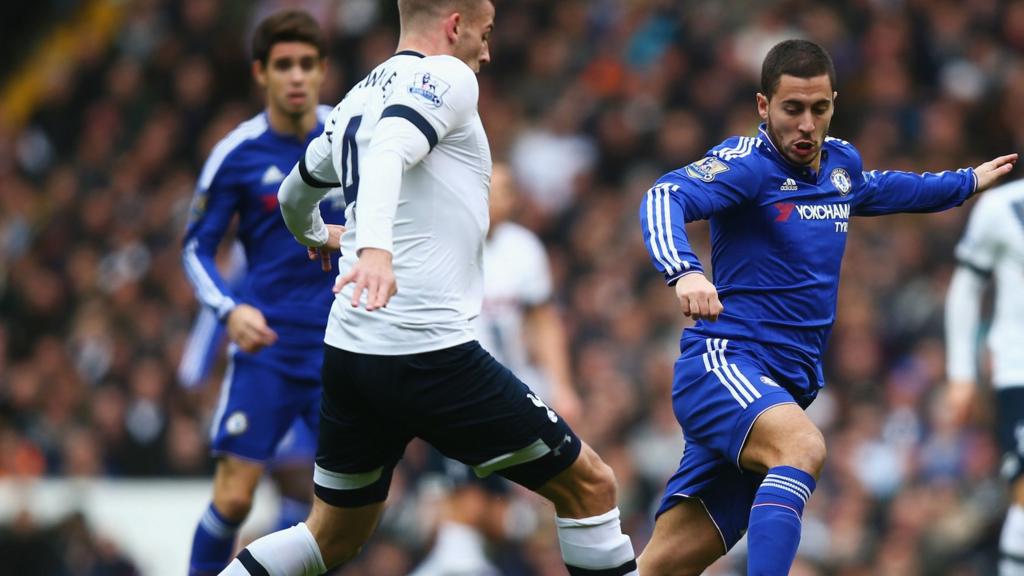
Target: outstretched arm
893,191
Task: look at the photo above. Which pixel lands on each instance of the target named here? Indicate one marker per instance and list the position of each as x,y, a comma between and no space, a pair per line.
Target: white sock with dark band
596,545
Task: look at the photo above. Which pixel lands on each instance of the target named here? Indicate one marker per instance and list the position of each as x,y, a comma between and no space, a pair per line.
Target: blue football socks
213,543
773,534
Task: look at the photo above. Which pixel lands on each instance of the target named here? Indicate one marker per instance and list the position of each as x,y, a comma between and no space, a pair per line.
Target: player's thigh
363,427
784,435
719,391
257,405
473,409
685,541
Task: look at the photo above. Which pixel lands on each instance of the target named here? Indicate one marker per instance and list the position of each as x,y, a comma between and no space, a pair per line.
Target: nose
806,122
485,55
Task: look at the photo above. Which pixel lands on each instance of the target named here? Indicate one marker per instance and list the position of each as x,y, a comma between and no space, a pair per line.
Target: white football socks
597,543
291,552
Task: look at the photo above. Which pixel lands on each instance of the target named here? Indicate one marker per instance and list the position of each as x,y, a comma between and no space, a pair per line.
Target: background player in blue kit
276,319
779,205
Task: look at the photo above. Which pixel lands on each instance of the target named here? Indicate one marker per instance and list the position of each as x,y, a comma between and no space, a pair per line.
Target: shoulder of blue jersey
721,157
246,131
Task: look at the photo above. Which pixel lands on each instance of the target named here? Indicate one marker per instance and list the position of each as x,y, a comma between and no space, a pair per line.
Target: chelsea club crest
841,180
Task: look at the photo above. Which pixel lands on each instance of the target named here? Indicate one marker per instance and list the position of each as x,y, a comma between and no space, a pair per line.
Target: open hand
373,273
991,171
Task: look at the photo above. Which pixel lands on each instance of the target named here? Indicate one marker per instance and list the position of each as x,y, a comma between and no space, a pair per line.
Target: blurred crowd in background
589,101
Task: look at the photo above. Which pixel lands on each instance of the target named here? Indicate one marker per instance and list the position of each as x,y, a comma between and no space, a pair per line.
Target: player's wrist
673,280
225,310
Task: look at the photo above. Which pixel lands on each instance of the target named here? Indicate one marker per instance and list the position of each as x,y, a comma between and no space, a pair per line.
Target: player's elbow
290,192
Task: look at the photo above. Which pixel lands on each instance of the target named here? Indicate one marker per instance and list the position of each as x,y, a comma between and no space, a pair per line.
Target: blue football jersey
778,232
242,176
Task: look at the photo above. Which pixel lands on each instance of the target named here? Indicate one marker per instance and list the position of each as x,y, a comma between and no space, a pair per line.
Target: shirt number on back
350,161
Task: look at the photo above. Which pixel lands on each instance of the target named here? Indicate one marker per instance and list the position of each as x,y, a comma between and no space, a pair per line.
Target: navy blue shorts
264,415
1010,424
719,390
459,399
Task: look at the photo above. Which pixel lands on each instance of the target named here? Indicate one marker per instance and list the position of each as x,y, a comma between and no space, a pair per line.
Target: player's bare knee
233,503
592,490
805,451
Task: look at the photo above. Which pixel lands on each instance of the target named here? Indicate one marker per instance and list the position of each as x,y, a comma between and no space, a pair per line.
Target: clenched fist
698,297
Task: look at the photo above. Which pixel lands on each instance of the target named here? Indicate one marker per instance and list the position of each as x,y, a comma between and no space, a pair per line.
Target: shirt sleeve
976,254
215,203
963,319
695,192
979,247
892,191
438,96
535,285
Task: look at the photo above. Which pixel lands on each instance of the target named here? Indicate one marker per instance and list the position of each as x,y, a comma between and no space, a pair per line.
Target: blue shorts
718,392
459,399
264,415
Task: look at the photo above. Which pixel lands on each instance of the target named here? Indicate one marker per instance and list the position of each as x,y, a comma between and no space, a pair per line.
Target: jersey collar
762,133
409,53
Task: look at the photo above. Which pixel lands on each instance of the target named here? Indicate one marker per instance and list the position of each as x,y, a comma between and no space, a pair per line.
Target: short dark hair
287,26
412,10
800,58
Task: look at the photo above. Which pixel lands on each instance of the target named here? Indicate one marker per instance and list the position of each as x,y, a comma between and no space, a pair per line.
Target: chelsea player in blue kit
276,318
779,205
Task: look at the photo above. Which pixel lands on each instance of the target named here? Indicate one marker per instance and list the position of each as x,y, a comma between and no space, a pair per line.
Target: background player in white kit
519,324
521,327
409,149
992,248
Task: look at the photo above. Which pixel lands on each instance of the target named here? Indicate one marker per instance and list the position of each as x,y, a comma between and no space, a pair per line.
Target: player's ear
259,73
762,106
451,27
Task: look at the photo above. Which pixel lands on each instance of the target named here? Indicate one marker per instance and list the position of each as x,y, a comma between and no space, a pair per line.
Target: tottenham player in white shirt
400,360
992,249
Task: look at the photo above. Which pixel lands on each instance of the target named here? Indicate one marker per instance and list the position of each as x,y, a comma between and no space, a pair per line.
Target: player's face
292,77
472,45
798,115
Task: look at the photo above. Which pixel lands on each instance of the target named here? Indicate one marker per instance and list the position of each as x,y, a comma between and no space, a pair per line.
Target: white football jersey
442,215
516,276
993,244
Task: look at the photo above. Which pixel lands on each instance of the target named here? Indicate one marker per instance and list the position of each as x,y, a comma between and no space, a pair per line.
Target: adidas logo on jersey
789,185
272,176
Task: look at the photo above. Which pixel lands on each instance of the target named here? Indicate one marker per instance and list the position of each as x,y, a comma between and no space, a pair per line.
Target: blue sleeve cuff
225,309
671,280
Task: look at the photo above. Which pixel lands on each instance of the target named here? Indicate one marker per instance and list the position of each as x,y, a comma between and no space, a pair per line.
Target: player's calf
589,531
791,450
